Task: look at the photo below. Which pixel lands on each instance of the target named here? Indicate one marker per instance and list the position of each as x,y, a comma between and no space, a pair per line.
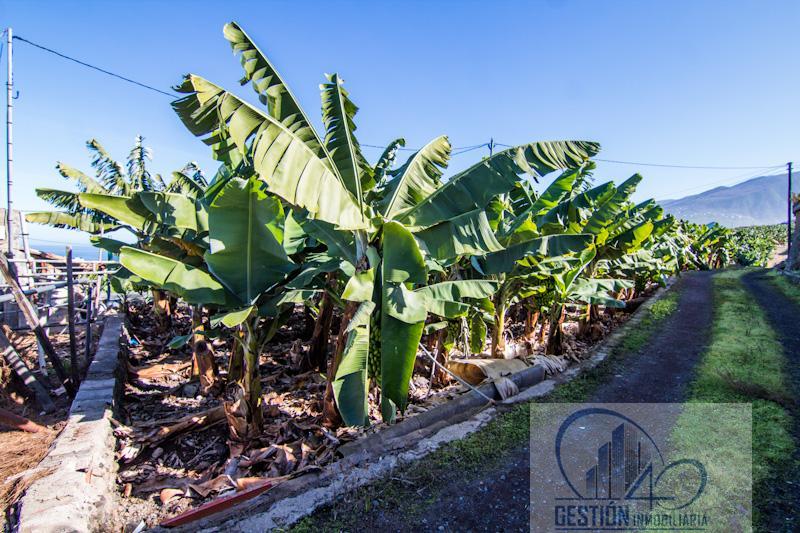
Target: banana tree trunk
531,319
330,413
439,376
318,352
203,365
585,322
243,407
161,308
542,328
498,330
555,341
236,361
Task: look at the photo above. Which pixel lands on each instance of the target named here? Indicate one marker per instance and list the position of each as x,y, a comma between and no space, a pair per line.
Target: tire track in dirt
497,499
661,371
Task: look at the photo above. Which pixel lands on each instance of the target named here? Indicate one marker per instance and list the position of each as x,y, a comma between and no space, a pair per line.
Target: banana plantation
302,301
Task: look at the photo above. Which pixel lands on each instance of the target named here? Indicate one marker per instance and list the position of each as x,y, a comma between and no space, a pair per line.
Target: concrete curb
375,456
78,495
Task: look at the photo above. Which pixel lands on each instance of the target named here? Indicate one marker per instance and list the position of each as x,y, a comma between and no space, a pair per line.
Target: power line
65,243
666,165
745,176
469,149
669,165
455,150
104,71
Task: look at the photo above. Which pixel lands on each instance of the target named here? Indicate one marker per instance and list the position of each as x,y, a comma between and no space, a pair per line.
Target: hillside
754,202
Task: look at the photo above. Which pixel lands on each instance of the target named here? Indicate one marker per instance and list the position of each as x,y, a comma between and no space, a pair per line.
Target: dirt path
782,313
496,496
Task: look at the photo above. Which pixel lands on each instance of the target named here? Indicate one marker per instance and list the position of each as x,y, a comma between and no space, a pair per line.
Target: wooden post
789,213
9,139
29,312
17,422
87,355
26,248
73,349
24,373
43,319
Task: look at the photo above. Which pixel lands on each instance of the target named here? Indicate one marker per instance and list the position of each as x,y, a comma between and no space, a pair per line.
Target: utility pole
9,140
789,212
491,146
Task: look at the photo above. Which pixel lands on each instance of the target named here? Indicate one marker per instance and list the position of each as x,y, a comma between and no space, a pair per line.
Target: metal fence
42,294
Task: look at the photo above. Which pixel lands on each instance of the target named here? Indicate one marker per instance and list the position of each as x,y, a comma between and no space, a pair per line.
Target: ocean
79,251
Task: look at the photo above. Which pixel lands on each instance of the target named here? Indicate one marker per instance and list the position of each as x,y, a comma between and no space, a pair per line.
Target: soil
165,479
22,451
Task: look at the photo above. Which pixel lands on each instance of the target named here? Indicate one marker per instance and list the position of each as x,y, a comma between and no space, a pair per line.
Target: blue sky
681,82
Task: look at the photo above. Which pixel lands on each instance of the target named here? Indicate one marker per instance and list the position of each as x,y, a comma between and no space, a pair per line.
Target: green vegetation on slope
755,245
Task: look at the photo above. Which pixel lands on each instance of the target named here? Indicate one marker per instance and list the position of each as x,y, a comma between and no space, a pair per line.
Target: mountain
753,202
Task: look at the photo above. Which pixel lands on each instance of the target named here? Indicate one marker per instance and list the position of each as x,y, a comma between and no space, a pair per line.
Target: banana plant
105,207
111,178
383,226
242,274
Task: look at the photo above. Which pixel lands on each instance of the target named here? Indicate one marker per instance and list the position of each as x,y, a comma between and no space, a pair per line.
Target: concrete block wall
77,495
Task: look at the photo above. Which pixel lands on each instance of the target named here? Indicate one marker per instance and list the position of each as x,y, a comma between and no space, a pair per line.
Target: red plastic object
215,506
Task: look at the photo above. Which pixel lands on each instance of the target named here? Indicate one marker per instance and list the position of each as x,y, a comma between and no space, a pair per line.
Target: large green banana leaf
597,291
295,238
467,234
456,290
61,199
338,112
402,258
384,163
64,220
340,243
563,280
445,299
606,213
351,384
86,183
627,242
417,179
550,246
282,158
190,283
268,84
572,213
558,189
402,263
122,208
245,232
474,187
173,209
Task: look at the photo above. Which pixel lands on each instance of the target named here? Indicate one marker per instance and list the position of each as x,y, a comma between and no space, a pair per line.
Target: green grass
418,485
789,287
744,363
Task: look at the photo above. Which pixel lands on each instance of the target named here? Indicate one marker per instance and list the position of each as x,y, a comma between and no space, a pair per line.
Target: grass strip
744,363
